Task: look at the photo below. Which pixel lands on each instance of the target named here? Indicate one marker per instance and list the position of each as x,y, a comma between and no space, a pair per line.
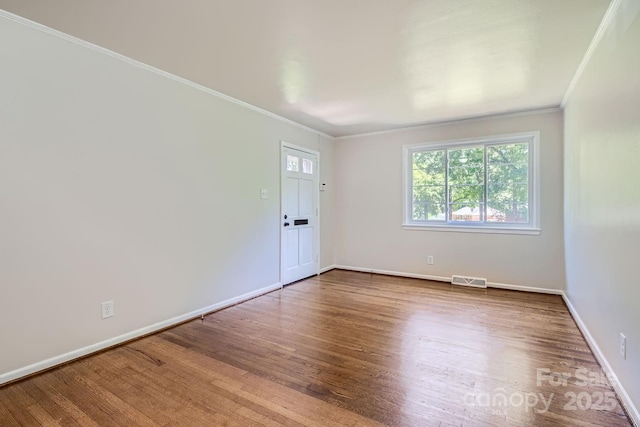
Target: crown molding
602,29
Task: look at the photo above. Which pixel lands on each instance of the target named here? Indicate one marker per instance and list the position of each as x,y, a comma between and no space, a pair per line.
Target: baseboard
448,280
624,397
393,273
85,351
327,268
525,288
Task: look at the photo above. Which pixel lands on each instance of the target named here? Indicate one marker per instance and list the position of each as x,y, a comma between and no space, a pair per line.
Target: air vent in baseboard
476,282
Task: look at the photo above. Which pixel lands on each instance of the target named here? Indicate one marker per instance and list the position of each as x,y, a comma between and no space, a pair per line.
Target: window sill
472,229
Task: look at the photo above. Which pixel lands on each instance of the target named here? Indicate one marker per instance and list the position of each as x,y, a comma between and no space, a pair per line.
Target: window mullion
410,184
530,206
486,186
408,203
446,185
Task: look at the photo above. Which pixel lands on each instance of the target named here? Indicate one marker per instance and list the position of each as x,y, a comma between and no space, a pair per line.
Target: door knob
286,224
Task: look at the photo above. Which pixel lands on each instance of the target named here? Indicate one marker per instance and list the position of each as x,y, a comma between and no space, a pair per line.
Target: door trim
316,246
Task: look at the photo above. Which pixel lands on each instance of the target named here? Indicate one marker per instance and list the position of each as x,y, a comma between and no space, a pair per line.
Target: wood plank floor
340,349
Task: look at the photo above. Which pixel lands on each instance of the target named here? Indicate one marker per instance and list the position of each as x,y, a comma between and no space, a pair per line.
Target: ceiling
347,67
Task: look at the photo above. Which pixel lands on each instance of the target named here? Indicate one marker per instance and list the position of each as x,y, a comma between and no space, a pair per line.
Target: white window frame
531,228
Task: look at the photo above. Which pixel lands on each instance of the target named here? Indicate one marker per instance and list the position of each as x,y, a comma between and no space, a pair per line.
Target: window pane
292,163
510,203
307,166
466,213
508,183
428,203
428,186
466,166
517,153
466,157
428,167
500,173
467,203
466,184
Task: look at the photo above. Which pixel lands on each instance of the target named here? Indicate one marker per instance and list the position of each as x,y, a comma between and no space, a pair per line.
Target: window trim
532,228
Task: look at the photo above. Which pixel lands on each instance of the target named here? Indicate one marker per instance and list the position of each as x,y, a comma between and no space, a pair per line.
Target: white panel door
299,214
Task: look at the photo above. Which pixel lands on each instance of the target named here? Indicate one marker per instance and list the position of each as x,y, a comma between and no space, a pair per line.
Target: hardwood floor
343,348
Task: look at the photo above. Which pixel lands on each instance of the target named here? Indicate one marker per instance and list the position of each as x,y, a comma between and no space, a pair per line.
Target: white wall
327,205
119,184
602,203
369,201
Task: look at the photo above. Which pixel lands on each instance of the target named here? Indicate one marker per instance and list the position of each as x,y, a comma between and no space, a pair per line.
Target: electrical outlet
264,193
430,260
623,346
107,309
